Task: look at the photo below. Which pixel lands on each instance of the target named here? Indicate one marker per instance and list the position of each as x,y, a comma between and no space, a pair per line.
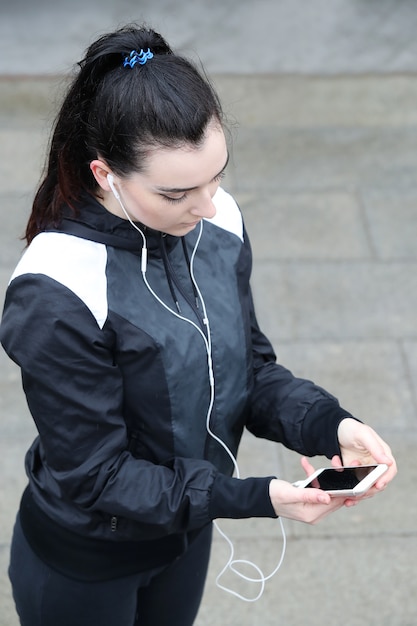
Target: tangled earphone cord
232,562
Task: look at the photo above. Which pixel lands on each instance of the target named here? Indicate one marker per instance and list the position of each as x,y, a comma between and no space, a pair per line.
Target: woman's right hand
304,505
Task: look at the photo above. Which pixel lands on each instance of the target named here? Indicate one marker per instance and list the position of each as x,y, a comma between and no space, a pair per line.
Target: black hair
116,113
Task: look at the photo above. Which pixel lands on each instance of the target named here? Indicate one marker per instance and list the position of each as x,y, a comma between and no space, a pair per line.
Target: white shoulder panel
78,264
228,214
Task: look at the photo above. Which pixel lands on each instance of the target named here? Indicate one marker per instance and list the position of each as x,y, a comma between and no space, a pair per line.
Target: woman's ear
100,171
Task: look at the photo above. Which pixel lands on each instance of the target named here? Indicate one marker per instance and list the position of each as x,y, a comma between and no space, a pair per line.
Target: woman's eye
175,200
220,176
172,200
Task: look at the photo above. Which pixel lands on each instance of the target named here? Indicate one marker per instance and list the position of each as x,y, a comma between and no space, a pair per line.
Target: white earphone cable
232,562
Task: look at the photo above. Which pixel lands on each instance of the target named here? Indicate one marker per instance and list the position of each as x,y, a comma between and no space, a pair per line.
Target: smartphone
350,481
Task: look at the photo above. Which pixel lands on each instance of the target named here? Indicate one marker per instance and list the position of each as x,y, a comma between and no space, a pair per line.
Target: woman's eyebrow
184,189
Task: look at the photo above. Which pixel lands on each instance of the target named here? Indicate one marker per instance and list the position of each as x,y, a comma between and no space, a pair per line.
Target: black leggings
167,596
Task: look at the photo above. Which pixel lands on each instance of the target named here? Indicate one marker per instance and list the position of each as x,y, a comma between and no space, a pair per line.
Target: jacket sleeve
74,391
284,408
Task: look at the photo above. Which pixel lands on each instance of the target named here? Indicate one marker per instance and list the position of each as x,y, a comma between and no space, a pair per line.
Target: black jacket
118,381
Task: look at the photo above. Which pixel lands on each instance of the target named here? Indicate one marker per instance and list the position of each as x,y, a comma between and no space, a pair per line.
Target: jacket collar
91,220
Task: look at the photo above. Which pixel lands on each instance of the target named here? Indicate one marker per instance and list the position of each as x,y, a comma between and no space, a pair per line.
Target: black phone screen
343,478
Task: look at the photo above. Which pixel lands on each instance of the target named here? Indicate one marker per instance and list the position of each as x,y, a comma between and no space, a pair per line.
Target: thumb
376,447
313,496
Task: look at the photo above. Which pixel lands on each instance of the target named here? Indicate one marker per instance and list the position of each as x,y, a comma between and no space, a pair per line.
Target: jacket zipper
189,301
113,524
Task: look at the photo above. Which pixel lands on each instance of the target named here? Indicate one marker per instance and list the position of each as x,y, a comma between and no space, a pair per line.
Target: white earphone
144,257
110,180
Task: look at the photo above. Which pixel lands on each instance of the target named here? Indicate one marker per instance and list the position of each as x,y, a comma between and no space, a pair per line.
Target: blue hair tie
137,57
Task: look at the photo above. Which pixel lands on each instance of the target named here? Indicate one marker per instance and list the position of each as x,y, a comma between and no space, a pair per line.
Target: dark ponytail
116,113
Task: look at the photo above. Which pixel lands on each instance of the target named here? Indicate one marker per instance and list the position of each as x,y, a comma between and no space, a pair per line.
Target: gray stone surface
321,102
268,36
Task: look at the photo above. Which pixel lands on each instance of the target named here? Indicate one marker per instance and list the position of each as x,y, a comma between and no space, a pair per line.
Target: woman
131,318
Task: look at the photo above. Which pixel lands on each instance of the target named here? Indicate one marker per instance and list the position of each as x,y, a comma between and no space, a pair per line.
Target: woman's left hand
361,445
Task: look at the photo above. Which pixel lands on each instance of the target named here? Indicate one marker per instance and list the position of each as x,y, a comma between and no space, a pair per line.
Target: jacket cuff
320,426
237,499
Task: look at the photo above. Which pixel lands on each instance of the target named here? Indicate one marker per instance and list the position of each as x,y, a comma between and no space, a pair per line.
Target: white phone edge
360,488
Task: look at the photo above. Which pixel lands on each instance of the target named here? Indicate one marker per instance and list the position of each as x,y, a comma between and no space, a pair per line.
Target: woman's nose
204,207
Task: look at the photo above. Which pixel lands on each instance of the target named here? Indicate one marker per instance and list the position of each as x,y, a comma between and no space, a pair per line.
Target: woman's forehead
183,166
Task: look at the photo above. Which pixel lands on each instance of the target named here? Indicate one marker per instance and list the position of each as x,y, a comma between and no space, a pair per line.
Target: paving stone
14,210
306,37
336,300
8,615
21,170
392,221
370,379
319,578
342,101
307,226
12,484
326,159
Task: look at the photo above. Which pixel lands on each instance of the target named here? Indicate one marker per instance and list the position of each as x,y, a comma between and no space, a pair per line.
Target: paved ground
325,169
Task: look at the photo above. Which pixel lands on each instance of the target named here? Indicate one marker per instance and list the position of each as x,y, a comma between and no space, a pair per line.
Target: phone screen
340,478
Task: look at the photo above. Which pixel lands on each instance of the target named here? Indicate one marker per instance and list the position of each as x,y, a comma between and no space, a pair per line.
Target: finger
337,462
323,511
373,443
353,462
307,467
350,502
381,484
379,453
314,496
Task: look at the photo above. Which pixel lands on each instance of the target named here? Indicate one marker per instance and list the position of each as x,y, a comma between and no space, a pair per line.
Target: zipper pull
113,524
